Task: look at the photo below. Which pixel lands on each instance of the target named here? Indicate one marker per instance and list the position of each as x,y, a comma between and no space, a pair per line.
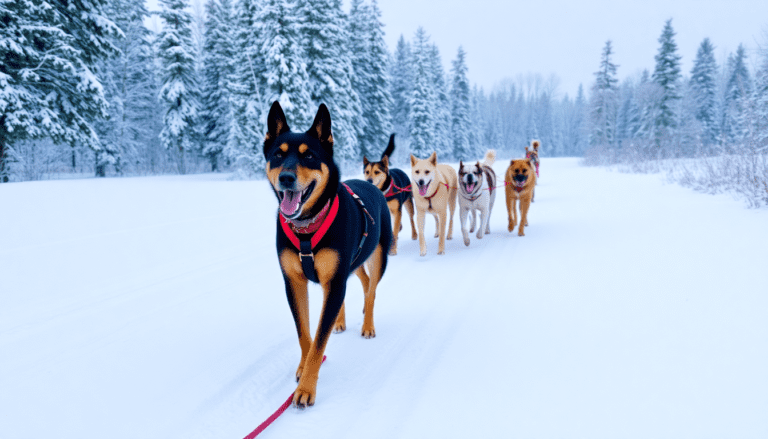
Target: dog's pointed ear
413,160
276,124
385,160
433,158
461,164
365,162
321,128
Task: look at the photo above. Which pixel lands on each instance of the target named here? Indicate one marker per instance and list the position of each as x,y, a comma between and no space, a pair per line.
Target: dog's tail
535,144
390,148
490,158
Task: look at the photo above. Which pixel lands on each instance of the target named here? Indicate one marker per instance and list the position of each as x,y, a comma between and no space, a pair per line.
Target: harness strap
306,246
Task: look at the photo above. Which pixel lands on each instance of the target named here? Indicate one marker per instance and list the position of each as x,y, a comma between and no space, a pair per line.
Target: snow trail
155,308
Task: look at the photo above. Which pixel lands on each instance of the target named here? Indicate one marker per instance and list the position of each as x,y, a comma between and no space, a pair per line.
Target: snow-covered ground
154,308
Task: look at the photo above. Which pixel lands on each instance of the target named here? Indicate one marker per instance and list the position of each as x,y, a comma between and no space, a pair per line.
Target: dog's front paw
303,397
393,251
466,242
479,234
511,227
368,331
520,232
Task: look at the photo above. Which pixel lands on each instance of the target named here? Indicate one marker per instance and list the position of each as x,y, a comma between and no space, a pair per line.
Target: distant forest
83,94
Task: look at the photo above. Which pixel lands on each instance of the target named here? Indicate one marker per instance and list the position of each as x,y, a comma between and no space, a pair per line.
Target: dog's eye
279,155
309,156
426,172
418,172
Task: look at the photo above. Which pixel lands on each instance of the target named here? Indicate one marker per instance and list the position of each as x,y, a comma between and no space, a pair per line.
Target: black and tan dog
396,186
326,230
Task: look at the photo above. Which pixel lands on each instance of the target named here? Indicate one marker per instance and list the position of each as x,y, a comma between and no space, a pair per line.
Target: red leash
274,416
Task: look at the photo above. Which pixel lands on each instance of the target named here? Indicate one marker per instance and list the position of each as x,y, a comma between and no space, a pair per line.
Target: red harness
391,191
318,228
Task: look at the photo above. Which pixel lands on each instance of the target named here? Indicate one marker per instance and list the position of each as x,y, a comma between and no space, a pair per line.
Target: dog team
328,229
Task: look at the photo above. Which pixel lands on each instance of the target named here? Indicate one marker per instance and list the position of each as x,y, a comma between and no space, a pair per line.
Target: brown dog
519,183
435,190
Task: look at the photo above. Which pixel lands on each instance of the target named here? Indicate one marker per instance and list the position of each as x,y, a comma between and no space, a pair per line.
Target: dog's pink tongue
471,188
290,202
423,190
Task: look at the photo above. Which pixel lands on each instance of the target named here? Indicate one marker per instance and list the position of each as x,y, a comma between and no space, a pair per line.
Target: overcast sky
505,39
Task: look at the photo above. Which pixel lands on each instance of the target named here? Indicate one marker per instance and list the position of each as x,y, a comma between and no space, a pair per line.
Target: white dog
477,191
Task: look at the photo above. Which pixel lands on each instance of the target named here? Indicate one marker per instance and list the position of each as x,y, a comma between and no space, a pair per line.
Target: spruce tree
49,85
217,70
460,108
401,73
370,60
131,92
604,101
760,97
178,94
441,105
667,76
284,66
248,119
737,89
421,115
324,38
704,90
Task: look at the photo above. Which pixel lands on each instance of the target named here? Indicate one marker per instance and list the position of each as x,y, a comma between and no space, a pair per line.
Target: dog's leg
341,321
472,219
296,291
409,209
490,210
396,213
437,226
525,203
375,267
452,205
420,219
511,209
364,279
334,286
483,222
443,223
463,213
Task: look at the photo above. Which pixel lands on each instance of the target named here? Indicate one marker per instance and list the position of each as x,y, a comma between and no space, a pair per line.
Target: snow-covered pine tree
604,104
178,94
370,60
441,106
401,87
248,119
131,91
737,89
667,76
324,38
217,70
460,108
704,89
284,66
421,118
49,86
761,103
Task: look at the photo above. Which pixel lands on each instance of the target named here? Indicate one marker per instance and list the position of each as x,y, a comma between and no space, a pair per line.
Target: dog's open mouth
520,183
470,187
291,201
423,188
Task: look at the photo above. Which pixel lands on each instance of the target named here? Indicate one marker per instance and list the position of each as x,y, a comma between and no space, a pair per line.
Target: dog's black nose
370,180
287,180
520,177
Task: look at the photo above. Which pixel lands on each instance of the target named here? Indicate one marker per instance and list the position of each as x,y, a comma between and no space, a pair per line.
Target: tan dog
435,187
519,183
